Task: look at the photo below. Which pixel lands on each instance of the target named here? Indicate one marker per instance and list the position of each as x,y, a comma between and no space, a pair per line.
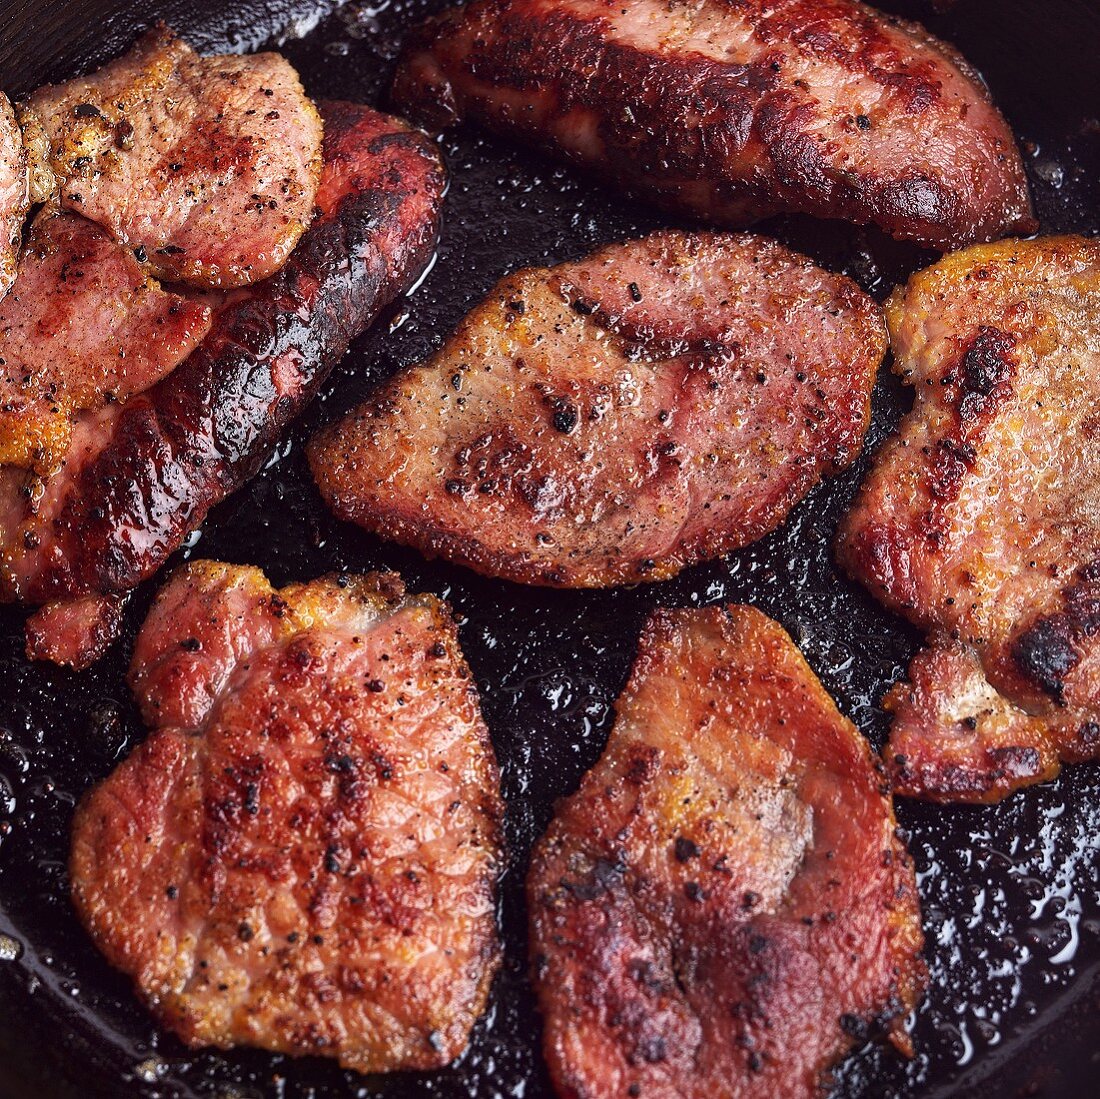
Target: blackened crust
172,453
1054,645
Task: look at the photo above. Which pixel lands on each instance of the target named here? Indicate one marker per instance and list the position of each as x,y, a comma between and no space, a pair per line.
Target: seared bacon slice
139,476
980,521
302,855
724,906
614,419
208,166
13,192
735,111
84,326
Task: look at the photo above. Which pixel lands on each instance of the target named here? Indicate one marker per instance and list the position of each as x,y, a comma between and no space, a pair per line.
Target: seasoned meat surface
723,908
617,418
83,327
13,192
302,855
979,521
140,475
735,111
208,166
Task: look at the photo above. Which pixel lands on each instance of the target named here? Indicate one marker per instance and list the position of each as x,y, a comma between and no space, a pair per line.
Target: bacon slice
208,165
302,855
617,418
13,192
735,111
724,906
83,327
139,476
979,521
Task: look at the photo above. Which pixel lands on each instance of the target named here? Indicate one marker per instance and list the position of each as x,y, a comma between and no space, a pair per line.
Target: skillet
1011,893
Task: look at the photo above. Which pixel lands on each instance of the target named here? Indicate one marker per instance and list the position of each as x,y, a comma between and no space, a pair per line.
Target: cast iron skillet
1010,894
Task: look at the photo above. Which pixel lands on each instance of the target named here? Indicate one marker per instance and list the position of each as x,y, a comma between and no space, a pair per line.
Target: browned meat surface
724,907
82,327
13,192
207,166
981,520
302,855
139,475
735,111
75,633
617,418
956,738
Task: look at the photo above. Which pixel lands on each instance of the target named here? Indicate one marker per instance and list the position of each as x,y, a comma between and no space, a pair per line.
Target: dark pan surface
1011,894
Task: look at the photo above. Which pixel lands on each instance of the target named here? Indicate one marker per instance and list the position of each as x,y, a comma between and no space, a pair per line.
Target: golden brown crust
724,907
302,856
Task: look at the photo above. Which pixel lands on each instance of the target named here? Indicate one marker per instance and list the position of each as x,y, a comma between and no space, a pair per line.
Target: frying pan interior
1011,893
